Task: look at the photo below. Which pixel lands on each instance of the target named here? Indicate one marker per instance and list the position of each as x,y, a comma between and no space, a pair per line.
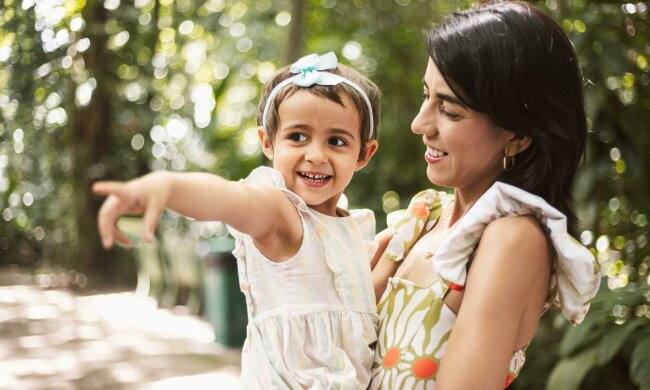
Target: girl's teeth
314,177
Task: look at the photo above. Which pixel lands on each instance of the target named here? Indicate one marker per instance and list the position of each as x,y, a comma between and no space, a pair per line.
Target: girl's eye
337,141
297,137
425,95
449,114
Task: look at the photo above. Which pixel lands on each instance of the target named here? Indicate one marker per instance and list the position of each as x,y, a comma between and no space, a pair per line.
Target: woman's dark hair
512,62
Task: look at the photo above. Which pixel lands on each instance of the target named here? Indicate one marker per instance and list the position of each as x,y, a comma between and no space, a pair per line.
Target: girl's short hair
514,63
330,92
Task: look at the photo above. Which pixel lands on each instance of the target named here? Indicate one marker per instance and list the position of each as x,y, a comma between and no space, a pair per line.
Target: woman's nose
424,123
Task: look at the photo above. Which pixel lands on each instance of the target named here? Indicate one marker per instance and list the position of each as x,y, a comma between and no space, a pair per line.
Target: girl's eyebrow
294,126
343,131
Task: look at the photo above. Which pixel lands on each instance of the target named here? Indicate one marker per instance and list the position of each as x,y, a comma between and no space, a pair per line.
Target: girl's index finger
109,188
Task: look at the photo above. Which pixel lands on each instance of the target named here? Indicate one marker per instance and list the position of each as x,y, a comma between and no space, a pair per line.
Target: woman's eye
337,142
297,137
449,114
426,95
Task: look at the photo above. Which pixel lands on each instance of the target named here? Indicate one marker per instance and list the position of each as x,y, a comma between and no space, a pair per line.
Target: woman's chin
436,179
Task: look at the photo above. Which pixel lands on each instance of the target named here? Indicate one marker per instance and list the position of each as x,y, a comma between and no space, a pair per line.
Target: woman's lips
434,155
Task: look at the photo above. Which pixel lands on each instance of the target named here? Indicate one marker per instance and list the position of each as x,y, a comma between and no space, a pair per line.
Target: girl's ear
371,148
265,140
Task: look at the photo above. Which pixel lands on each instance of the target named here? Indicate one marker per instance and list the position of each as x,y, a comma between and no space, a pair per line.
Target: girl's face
464,148
316,148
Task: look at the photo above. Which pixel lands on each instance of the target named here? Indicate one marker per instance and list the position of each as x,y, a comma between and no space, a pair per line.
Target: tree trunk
91,142
296,38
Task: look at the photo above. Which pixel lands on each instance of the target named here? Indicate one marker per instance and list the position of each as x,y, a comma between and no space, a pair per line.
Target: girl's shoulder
266,176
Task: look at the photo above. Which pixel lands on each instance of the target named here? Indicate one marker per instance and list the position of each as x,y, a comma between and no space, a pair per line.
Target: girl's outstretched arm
263,212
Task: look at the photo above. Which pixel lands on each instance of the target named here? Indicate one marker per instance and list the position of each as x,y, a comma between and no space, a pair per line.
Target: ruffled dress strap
365,219
261,176
407,226
577,272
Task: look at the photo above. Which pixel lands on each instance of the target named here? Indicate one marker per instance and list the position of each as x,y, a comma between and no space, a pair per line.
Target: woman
504,126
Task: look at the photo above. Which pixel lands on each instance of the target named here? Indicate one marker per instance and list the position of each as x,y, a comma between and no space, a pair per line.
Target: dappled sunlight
223,380
53,339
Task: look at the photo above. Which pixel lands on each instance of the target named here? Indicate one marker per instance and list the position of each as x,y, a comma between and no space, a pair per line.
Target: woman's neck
463,201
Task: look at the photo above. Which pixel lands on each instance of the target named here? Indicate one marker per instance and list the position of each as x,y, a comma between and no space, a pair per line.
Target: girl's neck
329,208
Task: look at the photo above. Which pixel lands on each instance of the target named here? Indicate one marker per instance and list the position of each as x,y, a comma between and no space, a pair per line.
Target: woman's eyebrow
450,99
446,97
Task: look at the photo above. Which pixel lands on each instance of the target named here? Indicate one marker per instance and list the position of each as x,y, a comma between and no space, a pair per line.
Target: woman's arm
382,238
504,298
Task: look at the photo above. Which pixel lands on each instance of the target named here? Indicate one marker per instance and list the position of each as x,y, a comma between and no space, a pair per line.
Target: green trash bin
225,304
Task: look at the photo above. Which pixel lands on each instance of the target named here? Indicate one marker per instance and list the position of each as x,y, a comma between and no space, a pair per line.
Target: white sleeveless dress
312,320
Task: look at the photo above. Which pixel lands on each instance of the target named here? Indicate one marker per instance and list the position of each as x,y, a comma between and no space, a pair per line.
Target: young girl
303,259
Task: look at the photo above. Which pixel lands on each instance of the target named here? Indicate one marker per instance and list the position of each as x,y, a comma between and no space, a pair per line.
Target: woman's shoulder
515,230
515,225
512,240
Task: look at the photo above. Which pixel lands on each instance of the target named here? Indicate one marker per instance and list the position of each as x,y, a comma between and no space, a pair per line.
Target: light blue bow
310,71
309,66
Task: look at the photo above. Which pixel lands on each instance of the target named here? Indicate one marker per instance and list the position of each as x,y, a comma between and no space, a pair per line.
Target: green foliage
113,89
640,370
610,334
569,373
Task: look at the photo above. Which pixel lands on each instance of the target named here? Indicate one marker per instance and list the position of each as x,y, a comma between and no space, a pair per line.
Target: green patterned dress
415,324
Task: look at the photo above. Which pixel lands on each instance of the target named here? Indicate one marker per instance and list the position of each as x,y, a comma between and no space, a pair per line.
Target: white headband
310,71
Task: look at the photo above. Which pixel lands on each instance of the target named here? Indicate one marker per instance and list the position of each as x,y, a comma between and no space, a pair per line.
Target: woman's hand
382,267
146,195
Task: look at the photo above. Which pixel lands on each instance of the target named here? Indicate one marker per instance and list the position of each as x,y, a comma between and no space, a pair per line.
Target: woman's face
464,148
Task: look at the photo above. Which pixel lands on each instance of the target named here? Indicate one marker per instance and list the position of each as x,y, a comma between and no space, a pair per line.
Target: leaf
640,367
581,335
613,340
569,372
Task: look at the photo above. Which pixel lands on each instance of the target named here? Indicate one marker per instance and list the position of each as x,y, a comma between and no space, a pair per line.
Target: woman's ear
267,144
518,143
371,148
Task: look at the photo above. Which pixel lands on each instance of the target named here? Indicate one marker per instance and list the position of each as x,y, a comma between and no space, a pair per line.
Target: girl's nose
316,154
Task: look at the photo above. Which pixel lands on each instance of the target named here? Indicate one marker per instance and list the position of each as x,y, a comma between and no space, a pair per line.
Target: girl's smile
314,179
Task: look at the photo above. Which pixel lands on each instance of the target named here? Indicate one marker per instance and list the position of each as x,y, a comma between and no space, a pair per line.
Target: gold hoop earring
508,162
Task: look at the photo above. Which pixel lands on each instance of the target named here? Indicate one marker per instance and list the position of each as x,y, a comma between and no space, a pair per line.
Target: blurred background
110,90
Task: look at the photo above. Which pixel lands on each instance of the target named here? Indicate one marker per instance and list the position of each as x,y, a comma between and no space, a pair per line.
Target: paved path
52,339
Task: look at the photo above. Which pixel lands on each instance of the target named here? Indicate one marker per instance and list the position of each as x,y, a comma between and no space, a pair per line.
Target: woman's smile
433,155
